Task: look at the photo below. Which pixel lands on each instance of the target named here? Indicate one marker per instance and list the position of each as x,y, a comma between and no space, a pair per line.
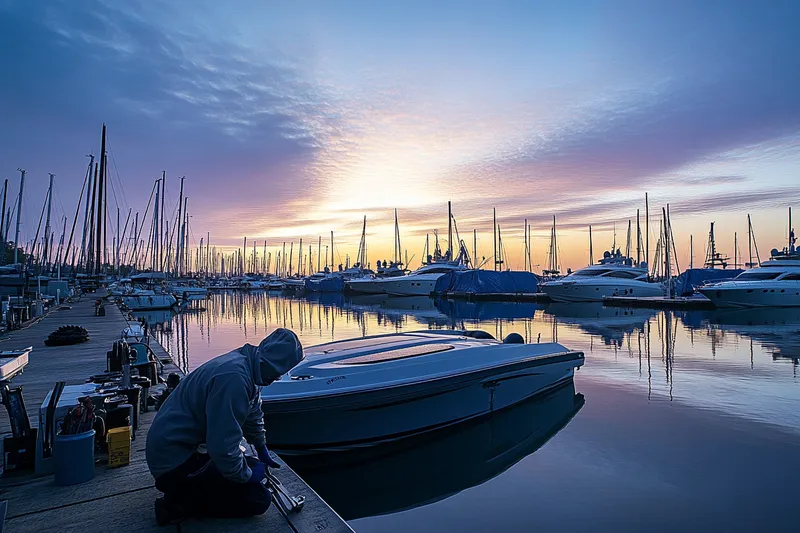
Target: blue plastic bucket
74,458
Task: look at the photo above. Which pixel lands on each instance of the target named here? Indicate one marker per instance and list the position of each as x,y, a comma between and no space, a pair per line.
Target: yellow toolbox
119,446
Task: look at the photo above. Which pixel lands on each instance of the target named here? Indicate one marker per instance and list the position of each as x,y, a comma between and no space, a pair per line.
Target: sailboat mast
474,248
332,260
628,241
450,231
319,255
646,229
99,209
19,212
525,246
494,235
591,249
47,230
691,252
180,233
749,243
638,239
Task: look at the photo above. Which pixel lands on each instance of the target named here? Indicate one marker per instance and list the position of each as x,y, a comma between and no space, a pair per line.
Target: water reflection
421,470
733,421
612,324
740,362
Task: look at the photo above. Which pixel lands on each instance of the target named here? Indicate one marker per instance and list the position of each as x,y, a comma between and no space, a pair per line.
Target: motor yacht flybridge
373,389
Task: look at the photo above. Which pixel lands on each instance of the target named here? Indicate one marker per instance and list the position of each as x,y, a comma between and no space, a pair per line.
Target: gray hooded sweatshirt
218,404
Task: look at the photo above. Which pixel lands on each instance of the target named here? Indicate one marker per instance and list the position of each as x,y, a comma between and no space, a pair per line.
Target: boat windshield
755,275
590,272
624,274
435,270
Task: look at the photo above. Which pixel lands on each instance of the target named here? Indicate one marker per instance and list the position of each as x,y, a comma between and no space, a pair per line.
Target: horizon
290,121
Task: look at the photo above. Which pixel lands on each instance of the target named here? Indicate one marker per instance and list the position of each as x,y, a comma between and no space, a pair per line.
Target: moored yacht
364,391
421,282
614,275
776,283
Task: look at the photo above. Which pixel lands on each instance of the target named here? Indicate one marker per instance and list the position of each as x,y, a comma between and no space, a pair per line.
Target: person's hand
259,473
264,457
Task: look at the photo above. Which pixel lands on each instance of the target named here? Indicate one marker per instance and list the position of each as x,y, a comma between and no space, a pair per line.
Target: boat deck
119,499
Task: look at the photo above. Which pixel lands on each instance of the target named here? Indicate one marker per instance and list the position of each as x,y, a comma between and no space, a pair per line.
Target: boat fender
513,338
478,334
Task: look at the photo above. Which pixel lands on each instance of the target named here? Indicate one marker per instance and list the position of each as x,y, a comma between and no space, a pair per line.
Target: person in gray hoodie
215,406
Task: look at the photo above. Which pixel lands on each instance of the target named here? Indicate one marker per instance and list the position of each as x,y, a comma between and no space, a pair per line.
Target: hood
276,355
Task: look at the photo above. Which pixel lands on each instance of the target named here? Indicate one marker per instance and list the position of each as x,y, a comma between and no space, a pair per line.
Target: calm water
678,420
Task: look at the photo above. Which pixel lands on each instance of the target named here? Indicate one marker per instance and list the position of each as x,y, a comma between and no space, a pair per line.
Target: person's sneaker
167,514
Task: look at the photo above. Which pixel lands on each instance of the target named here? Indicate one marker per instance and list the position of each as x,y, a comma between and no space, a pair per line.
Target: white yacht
614,275
140,300
147,292
276,285
250,284
776,283
365,391
421,282
187,289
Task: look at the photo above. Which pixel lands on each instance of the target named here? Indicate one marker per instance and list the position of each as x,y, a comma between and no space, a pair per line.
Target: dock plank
118,499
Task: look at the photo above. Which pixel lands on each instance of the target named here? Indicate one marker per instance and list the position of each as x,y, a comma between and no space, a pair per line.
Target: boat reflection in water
612,324
156,318
775,328
423,469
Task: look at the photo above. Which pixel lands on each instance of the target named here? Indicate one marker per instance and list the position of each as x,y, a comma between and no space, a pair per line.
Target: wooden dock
119,499
659,302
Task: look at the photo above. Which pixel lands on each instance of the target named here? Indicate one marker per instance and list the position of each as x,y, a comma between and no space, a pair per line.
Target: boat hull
365,286
138,302
784,295
370,417
568,291
411,285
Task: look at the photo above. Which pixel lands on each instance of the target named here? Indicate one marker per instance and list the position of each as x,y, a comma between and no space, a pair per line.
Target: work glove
263,456
259,473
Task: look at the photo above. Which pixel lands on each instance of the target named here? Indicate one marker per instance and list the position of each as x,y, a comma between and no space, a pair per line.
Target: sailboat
369,283
422,281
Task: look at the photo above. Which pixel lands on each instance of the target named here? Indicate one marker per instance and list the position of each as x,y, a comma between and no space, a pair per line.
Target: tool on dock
281,497
20,447
49,420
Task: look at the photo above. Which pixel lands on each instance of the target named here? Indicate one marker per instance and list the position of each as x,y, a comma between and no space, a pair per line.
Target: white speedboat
250,284
141,300
187,289
294,283
276,285
364,391
614,275
776,283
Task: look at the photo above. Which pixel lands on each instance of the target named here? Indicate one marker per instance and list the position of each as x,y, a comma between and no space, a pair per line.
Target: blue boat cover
688,281
328,284
488,282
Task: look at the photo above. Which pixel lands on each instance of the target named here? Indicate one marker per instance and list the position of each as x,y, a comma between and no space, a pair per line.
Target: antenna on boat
691,251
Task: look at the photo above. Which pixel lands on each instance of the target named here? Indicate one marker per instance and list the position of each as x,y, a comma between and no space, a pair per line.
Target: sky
293,119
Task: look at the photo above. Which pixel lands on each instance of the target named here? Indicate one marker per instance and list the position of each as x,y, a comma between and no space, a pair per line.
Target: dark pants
197,488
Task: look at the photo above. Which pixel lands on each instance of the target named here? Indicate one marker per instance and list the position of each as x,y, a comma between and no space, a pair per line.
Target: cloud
229,118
